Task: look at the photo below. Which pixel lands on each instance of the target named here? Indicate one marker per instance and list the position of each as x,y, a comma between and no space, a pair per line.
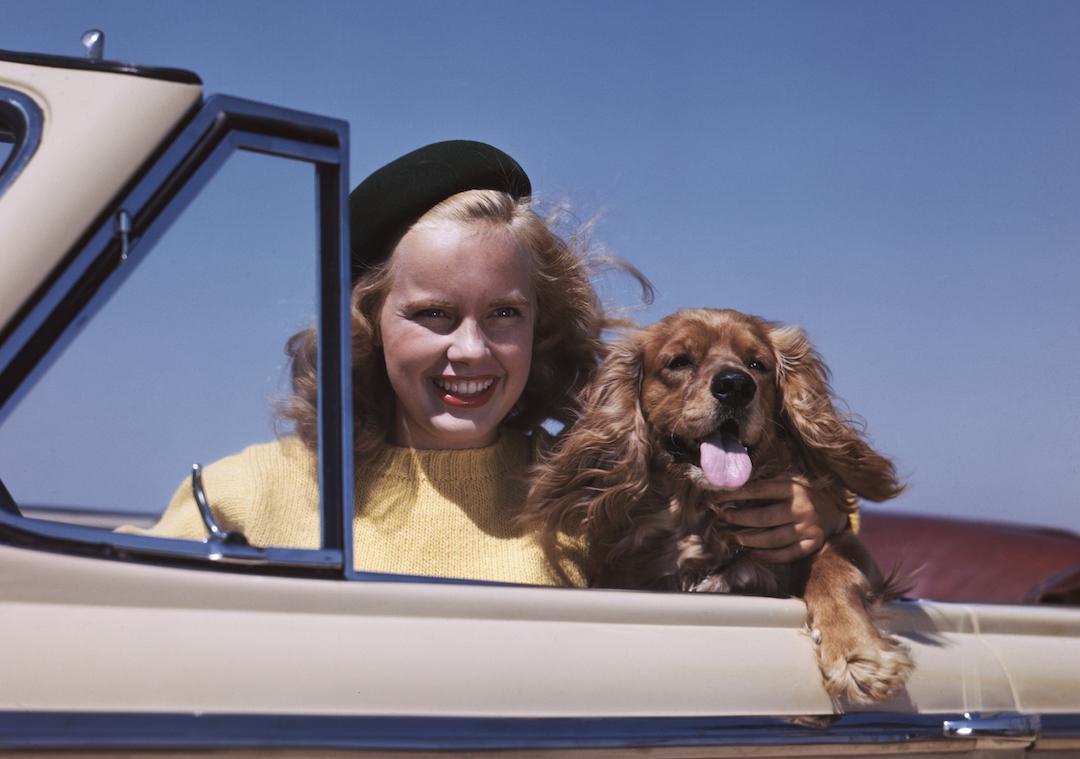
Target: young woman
473,323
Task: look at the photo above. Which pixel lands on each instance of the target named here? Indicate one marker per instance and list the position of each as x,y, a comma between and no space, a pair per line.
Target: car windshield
187,381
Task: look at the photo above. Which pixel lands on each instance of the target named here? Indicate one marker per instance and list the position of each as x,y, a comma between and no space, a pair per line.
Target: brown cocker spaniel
707,400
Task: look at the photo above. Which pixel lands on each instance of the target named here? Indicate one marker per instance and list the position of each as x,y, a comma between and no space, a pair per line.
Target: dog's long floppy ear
832,442
599,468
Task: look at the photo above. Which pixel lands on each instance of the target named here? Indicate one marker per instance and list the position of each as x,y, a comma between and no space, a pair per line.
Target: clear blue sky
900,178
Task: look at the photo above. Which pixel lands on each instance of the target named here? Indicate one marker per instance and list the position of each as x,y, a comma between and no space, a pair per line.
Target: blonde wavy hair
567,343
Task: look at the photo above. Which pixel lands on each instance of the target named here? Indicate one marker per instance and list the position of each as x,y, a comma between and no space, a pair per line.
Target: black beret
388,202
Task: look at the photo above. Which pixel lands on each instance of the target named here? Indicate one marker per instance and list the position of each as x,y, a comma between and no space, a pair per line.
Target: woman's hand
792,520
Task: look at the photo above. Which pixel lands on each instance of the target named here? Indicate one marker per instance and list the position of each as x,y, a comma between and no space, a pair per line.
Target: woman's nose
467,342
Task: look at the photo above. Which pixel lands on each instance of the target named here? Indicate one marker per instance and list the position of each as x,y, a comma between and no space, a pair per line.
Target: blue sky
900,178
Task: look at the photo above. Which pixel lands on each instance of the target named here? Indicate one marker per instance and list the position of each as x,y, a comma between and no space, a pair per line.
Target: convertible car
122,643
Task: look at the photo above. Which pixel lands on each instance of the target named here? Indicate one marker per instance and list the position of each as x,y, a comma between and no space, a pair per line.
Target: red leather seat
966,560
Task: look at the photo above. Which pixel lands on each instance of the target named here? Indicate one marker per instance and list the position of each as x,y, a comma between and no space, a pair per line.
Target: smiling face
456,329
709,392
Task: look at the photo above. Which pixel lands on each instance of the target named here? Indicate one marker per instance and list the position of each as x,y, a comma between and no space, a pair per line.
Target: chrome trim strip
1023,727
112,730
15,103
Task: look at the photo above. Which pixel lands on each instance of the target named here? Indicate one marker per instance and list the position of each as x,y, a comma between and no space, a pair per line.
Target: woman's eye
680,362
430,313
506,312
756,365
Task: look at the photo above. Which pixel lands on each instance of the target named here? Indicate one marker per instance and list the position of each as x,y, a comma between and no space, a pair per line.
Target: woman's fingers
776,489
788,524
777,537
771,515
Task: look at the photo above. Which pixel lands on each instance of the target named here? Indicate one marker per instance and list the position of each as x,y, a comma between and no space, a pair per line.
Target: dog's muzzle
733,388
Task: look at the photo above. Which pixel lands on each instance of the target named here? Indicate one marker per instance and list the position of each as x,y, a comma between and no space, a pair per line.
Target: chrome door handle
217,535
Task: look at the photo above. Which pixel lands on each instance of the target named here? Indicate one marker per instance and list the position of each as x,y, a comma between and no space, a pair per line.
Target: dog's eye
680,362
756,365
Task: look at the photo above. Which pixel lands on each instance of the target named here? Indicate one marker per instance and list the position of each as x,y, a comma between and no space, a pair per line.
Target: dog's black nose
733,388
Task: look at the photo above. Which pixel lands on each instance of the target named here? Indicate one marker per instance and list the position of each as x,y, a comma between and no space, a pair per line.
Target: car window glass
183,364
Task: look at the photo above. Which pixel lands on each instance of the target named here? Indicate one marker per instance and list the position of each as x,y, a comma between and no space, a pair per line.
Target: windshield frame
94,271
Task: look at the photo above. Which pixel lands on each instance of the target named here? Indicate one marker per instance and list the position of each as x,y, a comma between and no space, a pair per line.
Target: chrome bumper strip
111,730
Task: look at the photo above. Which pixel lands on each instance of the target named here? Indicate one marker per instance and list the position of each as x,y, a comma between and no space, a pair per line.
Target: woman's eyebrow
512,299
420,303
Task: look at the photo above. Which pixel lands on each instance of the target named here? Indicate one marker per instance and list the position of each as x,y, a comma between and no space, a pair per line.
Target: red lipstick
455,391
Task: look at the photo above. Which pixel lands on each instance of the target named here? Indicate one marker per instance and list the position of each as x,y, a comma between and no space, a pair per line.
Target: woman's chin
447,432
467,435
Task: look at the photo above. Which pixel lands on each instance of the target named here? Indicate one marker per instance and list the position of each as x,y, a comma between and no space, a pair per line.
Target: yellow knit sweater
433,513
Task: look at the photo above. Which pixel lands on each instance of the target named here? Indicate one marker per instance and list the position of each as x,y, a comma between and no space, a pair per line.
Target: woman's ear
832,442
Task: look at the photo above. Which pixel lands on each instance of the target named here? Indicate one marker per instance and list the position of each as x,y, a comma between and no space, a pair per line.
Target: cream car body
126,643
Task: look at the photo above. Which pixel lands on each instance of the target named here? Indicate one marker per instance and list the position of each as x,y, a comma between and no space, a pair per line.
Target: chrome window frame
28,123
108,253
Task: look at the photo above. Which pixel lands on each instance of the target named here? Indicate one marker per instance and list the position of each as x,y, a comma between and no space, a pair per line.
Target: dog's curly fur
626,480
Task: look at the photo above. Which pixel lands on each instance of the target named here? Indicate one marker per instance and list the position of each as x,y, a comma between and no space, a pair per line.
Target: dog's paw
864,674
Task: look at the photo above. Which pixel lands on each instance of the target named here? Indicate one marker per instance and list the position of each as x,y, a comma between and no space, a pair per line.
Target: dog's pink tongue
725,462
